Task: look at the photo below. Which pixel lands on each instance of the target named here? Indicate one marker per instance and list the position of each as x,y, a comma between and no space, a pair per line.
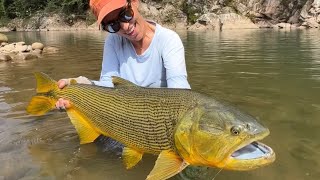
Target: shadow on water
274,75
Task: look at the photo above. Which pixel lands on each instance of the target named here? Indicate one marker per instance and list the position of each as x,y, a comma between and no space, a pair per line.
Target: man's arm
174,61
110,63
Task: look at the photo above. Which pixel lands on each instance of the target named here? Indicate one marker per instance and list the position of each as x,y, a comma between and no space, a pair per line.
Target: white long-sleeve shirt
161,65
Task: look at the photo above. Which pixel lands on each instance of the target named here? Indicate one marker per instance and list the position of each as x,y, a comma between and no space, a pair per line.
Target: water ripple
274,75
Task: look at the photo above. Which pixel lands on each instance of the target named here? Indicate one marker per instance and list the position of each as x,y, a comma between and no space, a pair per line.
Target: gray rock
26,56
37,52
29,48
7,48
21,48
5,57
316,3
37,45
20,43
3,38
242,9
3,44
50,49
311,23
235,21
208,19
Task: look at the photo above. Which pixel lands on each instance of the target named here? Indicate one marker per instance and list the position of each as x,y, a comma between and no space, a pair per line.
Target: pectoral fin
85,131
131,157
167,165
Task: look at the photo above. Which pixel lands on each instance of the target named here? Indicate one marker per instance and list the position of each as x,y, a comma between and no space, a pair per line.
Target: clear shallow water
274,75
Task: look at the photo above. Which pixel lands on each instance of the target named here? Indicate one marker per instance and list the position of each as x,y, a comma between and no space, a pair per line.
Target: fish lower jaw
254,150
251,156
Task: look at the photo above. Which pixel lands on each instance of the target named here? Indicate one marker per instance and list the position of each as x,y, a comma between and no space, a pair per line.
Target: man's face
133,29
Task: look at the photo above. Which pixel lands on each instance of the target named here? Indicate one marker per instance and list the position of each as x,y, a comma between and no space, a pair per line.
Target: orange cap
101,8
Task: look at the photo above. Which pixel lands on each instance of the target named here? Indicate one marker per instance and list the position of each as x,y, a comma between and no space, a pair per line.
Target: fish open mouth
254,150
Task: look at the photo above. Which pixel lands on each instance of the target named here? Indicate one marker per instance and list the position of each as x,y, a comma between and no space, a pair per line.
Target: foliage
2,10
191,12
27,8
22,8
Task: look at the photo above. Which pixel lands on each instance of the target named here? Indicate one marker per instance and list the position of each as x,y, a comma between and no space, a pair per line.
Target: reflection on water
274,75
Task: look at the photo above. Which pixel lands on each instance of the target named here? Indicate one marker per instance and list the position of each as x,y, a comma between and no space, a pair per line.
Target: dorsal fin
120,82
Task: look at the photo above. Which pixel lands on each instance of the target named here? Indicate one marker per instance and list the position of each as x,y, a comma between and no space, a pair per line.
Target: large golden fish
181,126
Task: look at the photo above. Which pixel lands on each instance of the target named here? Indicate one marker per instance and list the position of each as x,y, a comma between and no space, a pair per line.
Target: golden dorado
183,127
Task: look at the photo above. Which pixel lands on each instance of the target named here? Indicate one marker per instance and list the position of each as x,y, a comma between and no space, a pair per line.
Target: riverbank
192,15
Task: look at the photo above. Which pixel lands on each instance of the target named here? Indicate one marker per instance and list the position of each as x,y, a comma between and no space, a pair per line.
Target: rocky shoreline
198,15
19,52
204,15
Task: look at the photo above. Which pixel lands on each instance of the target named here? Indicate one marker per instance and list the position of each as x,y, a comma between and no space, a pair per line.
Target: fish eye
236,130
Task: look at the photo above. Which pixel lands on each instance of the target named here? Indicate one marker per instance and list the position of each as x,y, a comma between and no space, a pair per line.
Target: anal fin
167,165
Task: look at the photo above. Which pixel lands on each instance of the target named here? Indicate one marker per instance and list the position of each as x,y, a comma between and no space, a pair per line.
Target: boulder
37,52
29,48
19,52
37,45
7,48
235,21
50,49
26,56
223,21
3,38
3,44
21,48
20,43
311,23
5,57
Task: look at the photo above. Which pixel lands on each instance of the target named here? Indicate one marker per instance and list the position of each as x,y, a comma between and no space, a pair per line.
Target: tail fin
45,83
43,101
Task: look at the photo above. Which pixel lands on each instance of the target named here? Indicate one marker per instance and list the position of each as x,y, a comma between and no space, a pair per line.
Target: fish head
221,136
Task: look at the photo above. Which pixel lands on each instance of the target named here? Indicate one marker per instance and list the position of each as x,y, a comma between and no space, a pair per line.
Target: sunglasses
125,15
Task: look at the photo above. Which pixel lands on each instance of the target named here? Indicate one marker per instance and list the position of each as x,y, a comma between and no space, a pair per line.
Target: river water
273,75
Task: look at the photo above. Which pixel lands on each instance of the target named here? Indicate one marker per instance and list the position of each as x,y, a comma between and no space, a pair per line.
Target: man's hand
63,82
62,103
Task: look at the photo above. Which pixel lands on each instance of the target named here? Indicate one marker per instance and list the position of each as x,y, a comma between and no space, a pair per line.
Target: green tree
26,8
2,10
22,8
75,6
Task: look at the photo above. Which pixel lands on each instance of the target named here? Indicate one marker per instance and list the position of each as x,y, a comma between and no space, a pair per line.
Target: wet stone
5,57
26,56
20,43
21,48
37,45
